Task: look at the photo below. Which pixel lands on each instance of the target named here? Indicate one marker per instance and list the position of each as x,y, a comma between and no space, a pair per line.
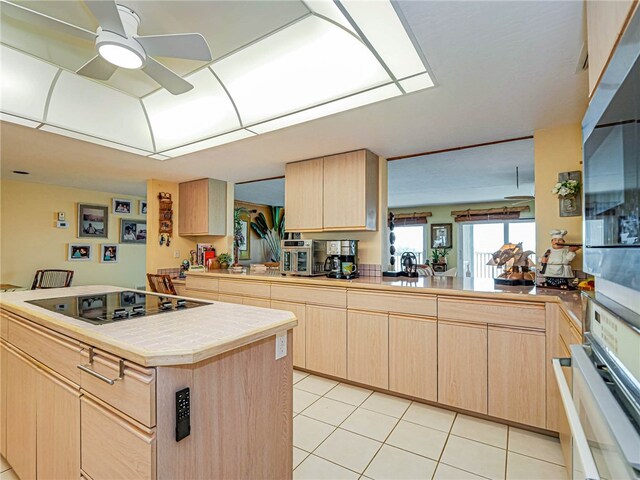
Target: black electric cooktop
103,308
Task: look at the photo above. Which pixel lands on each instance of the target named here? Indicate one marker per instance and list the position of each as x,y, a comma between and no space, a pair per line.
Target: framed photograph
143,207
245,247
133,231
121,207
441,235
93,221
80,252
109,253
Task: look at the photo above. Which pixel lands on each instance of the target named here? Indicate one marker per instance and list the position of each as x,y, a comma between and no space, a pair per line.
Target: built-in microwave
611,133
303,257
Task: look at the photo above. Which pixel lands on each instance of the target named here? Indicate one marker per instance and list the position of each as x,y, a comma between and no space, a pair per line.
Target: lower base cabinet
299,347
326,338
517,375
368,348
462,365
413,356
113,447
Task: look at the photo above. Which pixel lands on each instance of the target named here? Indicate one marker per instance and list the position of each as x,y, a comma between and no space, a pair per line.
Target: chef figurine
556,262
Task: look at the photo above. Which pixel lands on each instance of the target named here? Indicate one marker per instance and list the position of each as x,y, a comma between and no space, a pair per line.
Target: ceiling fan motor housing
130,22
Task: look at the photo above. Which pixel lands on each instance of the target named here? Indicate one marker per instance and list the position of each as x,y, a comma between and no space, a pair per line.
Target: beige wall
556,150
442,214
30,241
372,245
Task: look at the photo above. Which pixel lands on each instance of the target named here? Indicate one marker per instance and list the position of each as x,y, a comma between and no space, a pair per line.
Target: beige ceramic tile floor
346,432
341,431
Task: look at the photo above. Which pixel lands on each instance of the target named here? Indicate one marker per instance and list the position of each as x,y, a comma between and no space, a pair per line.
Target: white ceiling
503,69
474,175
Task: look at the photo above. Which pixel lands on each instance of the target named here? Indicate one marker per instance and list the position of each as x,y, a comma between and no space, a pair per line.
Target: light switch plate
281,345
63,224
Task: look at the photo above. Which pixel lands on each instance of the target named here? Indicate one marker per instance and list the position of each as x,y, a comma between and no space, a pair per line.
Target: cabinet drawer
517,314
223,297
242,287
59,353
134,394
212,296
257,302
202,283
113,447
336,297
423,305
569,330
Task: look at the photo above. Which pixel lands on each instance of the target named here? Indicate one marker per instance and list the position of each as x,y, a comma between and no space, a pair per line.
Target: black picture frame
441,235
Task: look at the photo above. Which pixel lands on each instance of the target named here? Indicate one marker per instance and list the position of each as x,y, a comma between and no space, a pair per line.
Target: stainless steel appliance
602,401
611,133
342,259
303,257
105,308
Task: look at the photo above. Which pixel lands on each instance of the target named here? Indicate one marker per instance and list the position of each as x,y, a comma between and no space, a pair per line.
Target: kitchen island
405,336
115,417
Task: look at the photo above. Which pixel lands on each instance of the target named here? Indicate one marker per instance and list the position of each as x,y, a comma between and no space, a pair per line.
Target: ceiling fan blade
97,68
166,78
192,46
41,20
106,13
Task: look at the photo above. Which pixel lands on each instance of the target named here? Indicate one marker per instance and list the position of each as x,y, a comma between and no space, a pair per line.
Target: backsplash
370,269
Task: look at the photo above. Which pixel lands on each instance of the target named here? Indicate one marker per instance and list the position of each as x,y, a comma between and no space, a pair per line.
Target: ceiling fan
118,44
519,199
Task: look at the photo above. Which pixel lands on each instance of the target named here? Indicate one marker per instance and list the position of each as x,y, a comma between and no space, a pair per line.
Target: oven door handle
579,439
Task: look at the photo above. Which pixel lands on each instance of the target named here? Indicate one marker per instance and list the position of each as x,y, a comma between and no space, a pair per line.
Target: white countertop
173,338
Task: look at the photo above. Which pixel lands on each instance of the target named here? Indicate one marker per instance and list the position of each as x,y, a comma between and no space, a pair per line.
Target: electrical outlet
281,345
176,254
61,216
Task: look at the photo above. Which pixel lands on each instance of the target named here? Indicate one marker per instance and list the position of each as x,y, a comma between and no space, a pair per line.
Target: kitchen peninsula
101,401
405,336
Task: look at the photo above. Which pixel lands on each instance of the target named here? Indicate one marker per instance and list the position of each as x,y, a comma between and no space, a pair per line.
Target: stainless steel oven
611,133
602,401
303,257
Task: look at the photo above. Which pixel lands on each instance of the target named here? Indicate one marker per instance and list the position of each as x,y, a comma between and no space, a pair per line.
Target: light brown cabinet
326,339
303,193
22,381
413,356
3,399
606,22
368,348
517,375
334,193
202,207
299,348
350,191
462,365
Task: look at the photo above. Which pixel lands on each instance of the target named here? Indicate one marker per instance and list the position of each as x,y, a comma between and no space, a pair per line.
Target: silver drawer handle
85,368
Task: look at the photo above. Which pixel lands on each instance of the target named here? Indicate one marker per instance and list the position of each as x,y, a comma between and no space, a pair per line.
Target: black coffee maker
342,259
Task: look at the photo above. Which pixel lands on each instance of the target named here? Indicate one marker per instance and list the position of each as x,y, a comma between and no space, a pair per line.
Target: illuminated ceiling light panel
24,84
419,82
310,62
328,8
381,26
85,106
200,113
210,143
90,139
354,101
157,156
5,117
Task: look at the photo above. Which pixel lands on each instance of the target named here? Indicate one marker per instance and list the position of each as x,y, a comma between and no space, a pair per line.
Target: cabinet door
462,365
413,356
350,179
517,378
193,201
21,415
58,428
303,195
327,340
368,348
3,399
299,348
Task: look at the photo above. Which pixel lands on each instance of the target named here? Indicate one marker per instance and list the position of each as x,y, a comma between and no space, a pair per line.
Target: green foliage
271,232
225,258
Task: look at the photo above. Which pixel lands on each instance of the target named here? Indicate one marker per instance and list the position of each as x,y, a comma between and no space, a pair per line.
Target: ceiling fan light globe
121,56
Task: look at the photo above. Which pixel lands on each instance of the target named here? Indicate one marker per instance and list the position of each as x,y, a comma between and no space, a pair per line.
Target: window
480,240
410,239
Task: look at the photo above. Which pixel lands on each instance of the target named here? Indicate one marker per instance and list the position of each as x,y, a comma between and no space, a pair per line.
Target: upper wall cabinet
606,22
202,207
335,193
